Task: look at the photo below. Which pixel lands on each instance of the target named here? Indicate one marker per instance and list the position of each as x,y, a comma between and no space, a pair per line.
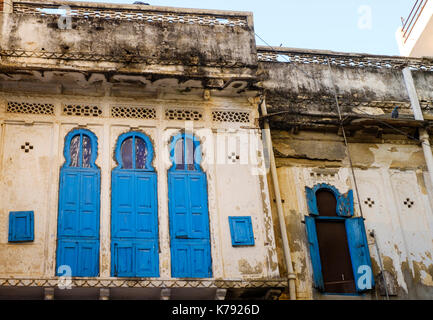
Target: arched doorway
79,203
134,209
188,210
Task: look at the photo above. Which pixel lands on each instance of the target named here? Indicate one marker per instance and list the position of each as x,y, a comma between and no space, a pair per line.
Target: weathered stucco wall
388,174
158,45
30,181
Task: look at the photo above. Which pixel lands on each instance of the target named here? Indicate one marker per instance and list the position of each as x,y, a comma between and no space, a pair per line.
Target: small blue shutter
89,205
123,217
314,253
123,256
311,201
358,247
21,226
345,204
241,230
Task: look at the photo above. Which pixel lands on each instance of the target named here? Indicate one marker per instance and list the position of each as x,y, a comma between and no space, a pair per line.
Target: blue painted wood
134,212
241,230
311,201
345,204
188,212
21,226
191,259
88,258
358,247
314,253
79,208
123,258
67,255
146,258
149,146
197,156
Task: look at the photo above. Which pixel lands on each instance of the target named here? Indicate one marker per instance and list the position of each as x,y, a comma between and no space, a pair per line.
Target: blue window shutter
89,204
69,198
21,226
314,252
198,212
345,204
146,259
123,197
311,201
88,258
67,255
146,206
123,259
358,247
241,230
179,205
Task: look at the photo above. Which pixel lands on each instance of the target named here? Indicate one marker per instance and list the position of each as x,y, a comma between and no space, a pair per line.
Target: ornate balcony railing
139,13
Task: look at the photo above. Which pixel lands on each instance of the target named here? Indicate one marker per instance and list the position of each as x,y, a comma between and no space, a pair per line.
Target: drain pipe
416,108
274,176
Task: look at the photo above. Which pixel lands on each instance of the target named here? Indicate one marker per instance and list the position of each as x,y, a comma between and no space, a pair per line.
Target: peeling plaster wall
386,173
30,181
162,43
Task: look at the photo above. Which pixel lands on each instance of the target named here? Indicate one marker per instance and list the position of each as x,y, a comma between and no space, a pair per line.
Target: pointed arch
134,208
79,206
188,210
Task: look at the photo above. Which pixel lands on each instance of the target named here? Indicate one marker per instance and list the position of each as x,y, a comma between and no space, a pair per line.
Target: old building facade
135,161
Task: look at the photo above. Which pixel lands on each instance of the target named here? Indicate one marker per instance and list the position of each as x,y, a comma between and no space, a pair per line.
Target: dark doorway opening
333,247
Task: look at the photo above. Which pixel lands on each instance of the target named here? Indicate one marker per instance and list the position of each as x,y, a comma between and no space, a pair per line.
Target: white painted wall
29,181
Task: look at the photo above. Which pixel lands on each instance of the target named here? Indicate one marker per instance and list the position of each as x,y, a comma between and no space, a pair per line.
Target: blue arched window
79,206
188,210
338,242
134,209
185,153
80,149
134,151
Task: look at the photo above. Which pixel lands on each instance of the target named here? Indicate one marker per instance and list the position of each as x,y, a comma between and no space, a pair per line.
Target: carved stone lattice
342,60
133,112
82,110
183,114
30,108
231,116
144,16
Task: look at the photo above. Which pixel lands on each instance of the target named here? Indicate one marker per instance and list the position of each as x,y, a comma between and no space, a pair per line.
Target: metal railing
412,19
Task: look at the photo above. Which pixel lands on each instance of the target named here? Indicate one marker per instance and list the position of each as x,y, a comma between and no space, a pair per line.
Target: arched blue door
188,206
134,209
79,203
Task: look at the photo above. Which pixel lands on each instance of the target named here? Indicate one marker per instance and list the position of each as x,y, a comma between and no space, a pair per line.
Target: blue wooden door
189,216
134,213
79,206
